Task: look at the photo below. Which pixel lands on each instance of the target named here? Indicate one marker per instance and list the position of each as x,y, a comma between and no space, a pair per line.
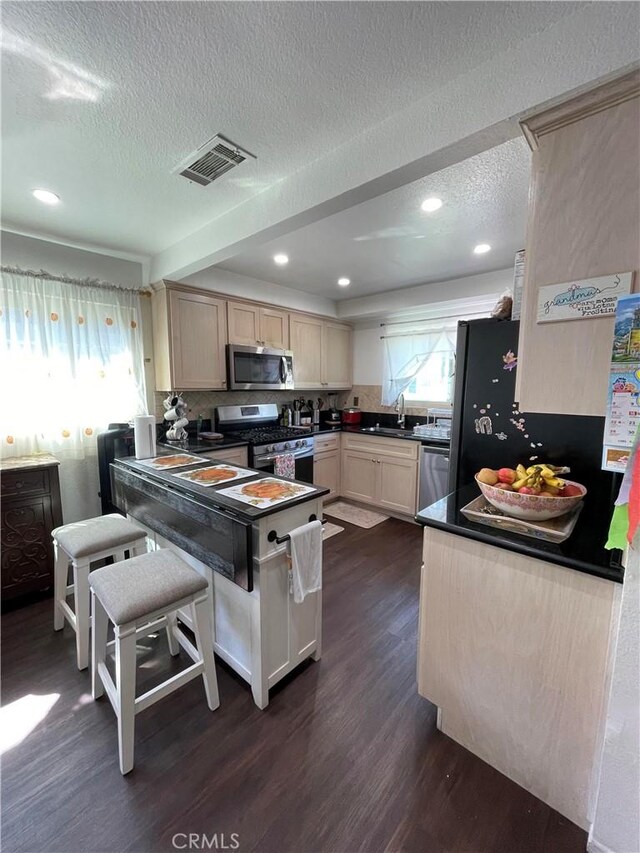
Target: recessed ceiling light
46,196
481,249
429,205
281,259
344,282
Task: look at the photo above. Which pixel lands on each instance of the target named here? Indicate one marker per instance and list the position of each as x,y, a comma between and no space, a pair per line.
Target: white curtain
407,353
72,362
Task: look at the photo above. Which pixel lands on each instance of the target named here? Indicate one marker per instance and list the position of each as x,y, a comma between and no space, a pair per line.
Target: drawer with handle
18,483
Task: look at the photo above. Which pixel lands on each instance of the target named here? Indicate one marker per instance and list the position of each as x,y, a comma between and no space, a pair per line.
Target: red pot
351,415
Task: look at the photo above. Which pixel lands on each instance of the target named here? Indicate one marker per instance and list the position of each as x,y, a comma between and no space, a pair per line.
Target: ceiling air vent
217,156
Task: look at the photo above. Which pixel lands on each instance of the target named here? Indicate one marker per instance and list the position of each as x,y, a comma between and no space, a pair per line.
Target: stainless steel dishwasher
434,474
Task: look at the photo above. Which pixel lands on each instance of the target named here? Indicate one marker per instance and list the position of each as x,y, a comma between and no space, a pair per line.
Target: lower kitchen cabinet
30,511
326,464
233,455
398,484
382,472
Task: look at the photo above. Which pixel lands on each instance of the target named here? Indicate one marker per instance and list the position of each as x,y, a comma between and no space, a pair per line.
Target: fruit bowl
531,507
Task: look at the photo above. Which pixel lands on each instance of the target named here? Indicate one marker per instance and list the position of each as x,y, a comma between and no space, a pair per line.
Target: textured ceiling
390,242
100,101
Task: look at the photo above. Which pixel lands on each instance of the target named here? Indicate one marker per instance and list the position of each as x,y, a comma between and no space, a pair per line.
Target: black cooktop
263,435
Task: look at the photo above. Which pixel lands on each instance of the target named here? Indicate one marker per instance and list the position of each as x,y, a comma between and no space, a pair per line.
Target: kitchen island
514,647
258,630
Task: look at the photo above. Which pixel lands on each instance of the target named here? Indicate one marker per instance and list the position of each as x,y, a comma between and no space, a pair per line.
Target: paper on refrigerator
623,394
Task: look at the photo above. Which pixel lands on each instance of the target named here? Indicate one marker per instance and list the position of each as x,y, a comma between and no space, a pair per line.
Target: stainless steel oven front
264,457
259,369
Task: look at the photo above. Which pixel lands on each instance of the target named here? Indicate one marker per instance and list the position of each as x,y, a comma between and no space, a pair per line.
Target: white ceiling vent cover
217,156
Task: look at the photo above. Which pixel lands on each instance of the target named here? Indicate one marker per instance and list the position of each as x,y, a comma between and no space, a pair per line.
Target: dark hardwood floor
345,758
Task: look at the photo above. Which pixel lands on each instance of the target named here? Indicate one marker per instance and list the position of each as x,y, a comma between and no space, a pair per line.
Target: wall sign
582,299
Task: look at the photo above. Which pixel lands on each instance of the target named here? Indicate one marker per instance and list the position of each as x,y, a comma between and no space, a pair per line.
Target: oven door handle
299,455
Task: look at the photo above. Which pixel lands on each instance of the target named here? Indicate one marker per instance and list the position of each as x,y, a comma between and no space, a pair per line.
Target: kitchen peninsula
258,630
514,648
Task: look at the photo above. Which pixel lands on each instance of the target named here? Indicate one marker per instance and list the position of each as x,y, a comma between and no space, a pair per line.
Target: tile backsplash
204,402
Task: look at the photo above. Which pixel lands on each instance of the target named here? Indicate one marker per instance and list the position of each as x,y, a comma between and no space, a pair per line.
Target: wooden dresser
30,510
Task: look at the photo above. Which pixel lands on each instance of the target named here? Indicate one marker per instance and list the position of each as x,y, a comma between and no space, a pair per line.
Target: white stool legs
80,617
122,692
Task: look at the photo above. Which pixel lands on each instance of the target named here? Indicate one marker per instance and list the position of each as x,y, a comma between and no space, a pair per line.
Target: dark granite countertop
199,445
324,429
209,496
583,551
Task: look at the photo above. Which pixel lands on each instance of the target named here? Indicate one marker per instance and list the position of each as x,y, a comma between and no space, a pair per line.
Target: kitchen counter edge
445,515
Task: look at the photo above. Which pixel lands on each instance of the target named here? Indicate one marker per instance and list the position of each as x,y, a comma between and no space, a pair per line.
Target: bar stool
139,596
82,543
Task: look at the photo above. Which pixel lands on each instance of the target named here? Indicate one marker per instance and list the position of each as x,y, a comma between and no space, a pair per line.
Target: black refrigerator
490,431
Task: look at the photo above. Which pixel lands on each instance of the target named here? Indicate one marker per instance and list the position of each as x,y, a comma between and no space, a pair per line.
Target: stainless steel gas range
258,425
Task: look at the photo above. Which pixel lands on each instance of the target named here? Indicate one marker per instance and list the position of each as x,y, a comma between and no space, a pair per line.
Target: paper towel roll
144,433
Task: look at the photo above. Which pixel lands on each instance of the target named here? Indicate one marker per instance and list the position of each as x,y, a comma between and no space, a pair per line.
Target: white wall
232,284
78,479
476,289
367,355
616,825
465,297
36,254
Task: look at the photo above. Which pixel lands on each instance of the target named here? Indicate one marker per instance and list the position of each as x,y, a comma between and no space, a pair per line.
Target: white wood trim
161,690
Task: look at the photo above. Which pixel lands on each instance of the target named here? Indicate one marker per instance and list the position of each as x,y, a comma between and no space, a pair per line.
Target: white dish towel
306,559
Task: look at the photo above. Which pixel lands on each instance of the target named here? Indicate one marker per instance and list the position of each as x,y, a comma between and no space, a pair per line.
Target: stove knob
269,448
287,445
300,443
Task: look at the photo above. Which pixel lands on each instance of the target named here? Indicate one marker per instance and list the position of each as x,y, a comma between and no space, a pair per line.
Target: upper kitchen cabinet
307,335
322,353
256,325
337,356
584,221
189,337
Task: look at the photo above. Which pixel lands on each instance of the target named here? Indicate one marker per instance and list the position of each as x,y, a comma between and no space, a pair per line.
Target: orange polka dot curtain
72,362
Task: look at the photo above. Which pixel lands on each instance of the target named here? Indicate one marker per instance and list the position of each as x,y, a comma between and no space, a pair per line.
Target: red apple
507,475
507,487
570,491
528,490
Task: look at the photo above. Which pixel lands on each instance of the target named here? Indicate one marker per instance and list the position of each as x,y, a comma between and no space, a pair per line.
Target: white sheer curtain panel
407,353
72,362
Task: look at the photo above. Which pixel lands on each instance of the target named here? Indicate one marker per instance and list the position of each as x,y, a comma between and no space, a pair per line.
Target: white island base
263,634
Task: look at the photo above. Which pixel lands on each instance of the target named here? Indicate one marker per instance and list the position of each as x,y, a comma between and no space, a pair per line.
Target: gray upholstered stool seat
143,584
82,543
83,538
141,595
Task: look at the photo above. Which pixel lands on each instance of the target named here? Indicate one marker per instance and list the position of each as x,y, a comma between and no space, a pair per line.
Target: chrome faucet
400,410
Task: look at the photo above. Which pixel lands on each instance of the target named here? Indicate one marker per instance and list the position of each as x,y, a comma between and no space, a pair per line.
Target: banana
539,476
556,482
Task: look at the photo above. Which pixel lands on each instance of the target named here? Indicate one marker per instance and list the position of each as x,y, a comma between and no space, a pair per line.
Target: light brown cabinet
254,325
337,355
381,471
326,464
192,327
322,353
189,337
583,222
234,455
306,343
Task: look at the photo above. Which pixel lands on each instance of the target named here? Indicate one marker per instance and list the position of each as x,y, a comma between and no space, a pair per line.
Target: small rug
330,530
354,514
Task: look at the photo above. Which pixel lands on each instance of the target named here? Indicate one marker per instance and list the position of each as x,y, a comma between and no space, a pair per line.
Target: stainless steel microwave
259,369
